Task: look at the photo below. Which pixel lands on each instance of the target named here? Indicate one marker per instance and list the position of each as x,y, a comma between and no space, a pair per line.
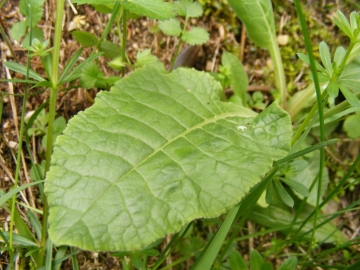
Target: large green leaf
154,153
258,17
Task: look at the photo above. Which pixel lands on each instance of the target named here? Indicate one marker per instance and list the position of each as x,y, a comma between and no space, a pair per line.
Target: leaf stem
279,73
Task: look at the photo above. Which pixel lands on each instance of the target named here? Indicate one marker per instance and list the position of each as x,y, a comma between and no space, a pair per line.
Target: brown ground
226,34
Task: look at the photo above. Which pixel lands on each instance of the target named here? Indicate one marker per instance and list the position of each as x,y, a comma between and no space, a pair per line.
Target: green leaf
343,23
153,9
297,186
59,126
105,9
284,195
196,36
84,38
94,2
145,57
352,127
326,57
70,64
256,260
354,266
305,58
269,192
236,261
170,27
18,30
37,172
21,241
35,223
110,49
332,89
35,11
354,20
307,176
36,33
258,18
350,97
289,264
154,153
22,70
349,77
188,8
339,55
282,219
90,75
117,63
236,74
77,71
7,196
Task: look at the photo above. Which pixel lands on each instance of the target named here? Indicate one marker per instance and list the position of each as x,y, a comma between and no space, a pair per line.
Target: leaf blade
179,135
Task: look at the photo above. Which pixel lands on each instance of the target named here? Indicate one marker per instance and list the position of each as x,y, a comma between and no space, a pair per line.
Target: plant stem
307,120
320,112
52,114
114,14
279,73
123,41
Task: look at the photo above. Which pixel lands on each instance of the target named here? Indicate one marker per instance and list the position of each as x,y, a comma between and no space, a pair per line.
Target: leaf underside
154,153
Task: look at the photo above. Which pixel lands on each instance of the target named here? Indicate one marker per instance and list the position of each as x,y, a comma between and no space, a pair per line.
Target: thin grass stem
320,110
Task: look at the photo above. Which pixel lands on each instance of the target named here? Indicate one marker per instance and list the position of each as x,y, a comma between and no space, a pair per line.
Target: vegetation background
226,33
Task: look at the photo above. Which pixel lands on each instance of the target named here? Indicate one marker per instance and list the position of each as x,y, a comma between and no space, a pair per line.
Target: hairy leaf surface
154,153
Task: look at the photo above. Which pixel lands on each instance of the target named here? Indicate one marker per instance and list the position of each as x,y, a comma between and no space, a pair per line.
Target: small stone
283,40
13,144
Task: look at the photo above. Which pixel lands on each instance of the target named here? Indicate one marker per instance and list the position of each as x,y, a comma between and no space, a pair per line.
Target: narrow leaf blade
325,56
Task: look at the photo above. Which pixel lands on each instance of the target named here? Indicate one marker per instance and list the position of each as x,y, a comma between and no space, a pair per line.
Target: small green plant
29,9
257,262
172,27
